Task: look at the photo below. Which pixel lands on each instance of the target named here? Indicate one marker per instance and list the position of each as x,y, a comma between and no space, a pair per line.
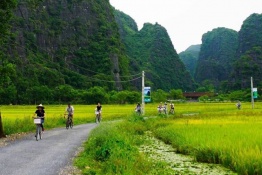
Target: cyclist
70,111
40,112
238,105
99,109
160,108
165,108
172,108
138,108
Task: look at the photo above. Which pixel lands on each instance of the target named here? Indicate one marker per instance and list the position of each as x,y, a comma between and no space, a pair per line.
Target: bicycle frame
69,121
98,116
38,133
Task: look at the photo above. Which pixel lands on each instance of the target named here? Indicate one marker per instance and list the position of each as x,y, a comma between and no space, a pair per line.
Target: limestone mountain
249,62
151,49
217,55
189,57
63,42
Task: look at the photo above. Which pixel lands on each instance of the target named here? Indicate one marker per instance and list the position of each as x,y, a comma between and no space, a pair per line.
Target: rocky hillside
249,53
190,57
217,55
83,33
64,42
151,49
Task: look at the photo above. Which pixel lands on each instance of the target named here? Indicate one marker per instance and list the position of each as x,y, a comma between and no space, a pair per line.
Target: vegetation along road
47,156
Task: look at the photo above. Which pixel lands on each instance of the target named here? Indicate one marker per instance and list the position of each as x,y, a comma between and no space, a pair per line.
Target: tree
176,94
159,96
64,93
6,12
122,97
96,95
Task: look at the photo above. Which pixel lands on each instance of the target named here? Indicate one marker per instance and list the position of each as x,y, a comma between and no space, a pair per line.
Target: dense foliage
216,56
189,57
151,49
249,53
60,43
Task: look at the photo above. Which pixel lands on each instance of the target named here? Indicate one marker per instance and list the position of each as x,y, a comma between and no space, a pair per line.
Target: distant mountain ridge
217,55
190,57
195,48
151,49
249,54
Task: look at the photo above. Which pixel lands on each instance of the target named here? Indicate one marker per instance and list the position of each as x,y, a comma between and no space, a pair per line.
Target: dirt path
177,163
45,157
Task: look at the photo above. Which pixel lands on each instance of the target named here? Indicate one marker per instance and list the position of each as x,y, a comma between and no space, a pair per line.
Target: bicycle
98,116
69,121
38,123
172,111
138,112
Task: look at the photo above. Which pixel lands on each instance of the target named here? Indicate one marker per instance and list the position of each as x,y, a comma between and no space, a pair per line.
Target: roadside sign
147,94
255,94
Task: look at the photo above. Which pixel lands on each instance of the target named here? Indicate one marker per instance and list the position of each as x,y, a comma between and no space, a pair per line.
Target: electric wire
90,79
69,63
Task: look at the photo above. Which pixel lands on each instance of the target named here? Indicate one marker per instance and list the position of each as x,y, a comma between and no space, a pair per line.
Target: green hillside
151,49
61,44
217,55
190,57
249,53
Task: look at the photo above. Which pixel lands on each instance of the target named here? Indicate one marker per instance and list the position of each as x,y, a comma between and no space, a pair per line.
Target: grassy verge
112,148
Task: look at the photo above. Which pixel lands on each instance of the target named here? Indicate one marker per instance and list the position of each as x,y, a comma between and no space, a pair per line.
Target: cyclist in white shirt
70,111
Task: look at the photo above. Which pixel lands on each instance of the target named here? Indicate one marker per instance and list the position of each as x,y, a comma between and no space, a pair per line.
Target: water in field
179,164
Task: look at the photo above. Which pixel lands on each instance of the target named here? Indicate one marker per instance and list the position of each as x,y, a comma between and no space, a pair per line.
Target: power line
39,48
91,79
118,81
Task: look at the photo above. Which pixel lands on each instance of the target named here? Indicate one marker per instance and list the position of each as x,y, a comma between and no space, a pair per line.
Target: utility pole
143,95
252,95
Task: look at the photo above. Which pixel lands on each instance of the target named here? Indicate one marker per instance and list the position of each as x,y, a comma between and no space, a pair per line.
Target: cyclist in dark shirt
98,107
40,112
138,108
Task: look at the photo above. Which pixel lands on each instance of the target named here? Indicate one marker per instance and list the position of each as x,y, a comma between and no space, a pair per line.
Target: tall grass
230,138
217,133
113,149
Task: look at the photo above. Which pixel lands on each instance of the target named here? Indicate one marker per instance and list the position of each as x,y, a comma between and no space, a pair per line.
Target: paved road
43,157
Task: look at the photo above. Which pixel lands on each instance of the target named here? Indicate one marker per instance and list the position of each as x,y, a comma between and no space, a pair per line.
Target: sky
187,20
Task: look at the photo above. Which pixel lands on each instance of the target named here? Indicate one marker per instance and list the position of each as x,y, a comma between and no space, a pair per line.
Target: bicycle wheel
40,132
99,118
71,124
67,124
36,133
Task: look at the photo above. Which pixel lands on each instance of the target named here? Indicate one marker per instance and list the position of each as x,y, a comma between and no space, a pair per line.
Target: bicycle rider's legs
70,116
42,125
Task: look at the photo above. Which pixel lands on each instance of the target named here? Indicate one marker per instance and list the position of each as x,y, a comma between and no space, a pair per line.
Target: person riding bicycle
172,107
99,109
160,108
165,108
70,111
238,105
40,112
138,108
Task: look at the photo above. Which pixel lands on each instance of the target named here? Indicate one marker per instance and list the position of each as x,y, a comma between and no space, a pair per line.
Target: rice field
19,118
217,133
211,132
